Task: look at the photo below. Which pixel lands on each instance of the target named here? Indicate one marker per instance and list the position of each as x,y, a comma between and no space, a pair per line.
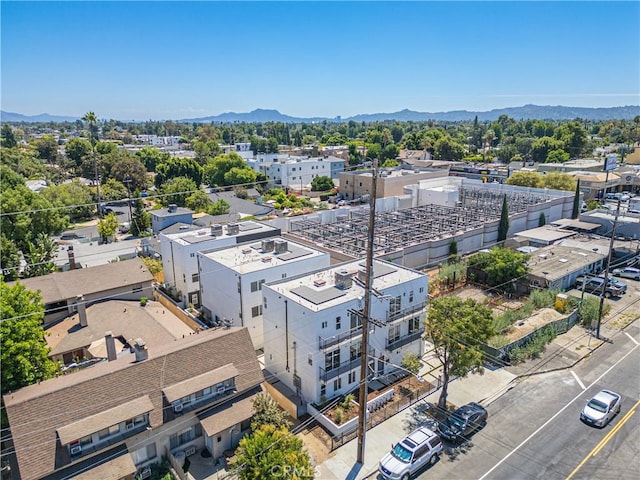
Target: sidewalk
563,352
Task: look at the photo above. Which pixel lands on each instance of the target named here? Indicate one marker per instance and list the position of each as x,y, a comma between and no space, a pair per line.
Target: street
534,430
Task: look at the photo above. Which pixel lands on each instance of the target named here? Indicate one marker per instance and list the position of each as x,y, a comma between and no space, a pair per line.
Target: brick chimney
72,258
111,346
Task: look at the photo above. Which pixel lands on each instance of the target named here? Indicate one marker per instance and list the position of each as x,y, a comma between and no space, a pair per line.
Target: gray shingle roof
37,411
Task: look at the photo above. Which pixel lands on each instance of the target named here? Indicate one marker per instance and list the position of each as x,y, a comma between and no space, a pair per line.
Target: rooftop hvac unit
216,230
267,245
280,246
172,208
233,229
344,279
145,473
76,449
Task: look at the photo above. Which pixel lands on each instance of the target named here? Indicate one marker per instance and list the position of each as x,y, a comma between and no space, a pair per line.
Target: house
62,292
558,266
239,207
297,171
179,249
112,420
313,326
231,278
165,217
82,336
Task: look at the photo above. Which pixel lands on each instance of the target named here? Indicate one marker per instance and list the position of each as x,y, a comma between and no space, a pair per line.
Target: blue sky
173,60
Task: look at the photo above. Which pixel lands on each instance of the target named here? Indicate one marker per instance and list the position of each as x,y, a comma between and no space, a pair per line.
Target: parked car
71,236
627,272
616,282
601,408
596,284
420,448
463,422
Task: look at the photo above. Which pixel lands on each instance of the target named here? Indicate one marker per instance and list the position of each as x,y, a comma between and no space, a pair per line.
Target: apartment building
179,252
298,172
231,279
313,326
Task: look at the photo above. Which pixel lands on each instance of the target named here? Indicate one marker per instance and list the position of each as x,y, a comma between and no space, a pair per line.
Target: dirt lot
528,325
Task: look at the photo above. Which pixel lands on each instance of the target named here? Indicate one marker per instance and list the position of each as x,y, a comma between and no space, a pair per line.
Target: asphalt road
534,430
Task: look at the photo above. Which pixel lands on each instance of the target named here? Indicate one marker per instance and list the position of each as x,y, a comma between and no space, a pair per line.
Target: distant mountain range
526,112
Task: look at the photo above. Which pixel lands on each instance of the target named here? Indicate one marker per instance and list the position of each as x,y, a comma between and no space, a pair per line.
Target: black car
463,422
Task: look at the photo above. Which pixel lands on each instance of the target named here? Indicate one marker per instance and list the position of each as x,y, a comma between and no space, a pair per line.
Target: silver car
420,448
601,408
627,272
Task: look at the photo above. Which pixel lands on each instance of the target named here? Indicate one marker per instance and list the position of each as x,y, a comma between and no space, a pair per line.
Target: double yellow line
605,440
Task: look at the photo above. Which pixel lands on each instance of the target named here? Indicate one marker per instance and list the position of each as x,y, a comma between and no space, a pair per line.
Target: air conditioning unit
145,473
177,408
220,388
130,426
190,451
76,449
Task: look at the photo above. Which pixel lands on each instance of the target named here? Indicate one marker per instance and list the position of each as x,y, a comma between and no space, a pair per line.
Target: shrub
338,415
143,301
534,347
588,311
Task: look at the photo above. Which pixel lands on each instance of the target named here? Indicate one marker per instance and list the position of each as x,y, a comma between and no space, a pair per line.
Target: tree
130,169
240,176
178,167
576,202
457,329
9,258
267,412
542,220
21,162
198,201
113,190
272,452
40,256
453,248
140,219
47,148
411,362
503,228
557,156
219,207
446,148
74,195
177,190
322,184
526,179
107,226
502,265
77,149
24,353
7,136
151,157
215,169
92,121
559,181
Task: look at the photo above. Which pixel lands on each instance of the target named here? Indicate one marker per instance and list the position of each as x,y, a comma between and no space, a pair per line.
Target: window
352,377
338,323
355,319
414,324
195,277
394,305
192,254
219,438
186,436
255,286
256,311
421,290
102,434
284,275
310,359
411,296
337,384
325,324
323,390
355,351
144,454
184,278
394,333
265,303
332,360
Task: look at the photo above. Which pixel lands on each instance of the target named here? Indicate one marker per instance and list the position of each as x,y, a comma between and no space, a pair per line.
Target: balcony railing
405,340
326,375
326,342
406,312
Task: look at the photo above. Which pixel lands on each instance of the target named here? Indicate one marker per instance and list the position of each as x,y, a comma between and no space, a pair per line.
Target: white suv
420,448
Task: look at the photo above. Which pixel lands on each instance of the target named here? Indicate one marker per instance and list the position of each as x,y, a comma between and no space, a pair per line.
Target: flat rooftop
318,290
556,261
203,234
546,233
252,257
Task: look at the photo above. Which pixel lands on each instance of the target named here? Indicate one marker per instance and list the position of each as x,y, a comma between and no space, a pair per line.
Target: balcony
412,310
327,342
405,340
326,375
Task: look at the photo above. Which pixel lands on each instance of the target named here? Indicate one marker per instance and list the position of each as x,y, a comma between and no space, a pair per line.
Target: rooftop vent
267,245
246,251
172,208
266,259
141,351
319,282
216,230
111,346
233,229
280,246
344,279
82,310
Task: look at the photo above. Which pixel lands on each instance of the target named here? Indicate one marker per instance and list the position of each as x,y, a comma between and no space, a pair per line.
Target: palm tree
92,119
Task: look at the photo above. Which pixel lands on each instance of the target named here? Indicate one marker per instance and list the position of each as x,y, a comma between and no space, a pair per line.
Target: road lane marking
578,380
632,339
605,440
556,414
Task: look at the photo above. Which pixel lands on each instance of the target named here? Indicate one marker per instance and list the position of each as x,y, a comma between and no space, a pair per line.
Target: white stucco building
285,170
179,259
313,326
231,279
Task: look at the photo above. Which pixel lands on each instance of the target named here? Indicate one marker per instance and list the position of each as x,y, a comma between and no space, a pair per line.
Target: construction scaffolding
399,229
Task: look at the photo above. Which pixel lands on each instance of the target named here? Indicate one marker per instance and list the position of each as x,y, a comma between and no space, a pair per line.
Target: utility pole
364,359
606,270
97,180
128,182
